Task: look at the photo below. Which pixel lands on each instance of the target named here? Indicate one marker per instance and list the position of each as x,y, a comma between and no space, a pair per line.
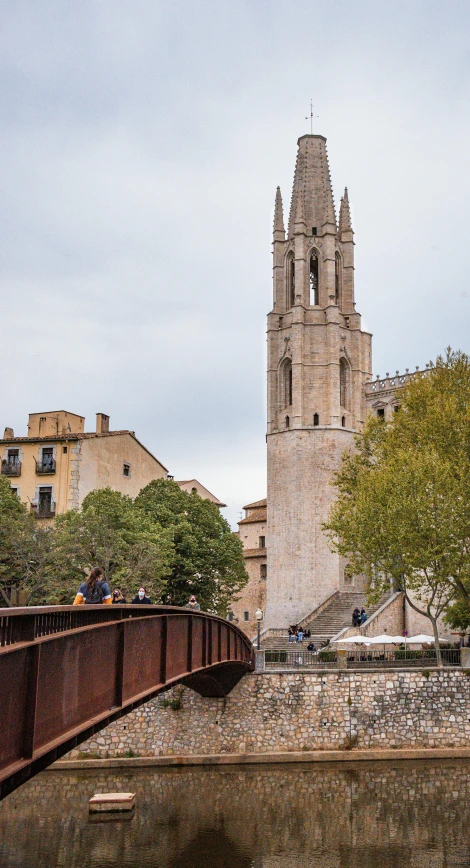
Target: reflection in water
363,815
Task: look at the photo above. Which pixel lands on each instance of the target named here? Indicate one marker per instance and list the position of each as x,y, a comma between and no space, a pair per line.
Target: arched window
337,278
344,384
287,422
290,280
316,419
286,383
313,277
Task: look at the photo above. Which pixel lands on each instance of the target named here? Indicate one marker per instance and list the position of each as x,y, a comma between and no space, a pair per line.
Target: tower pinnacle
278,217
312,182
344,214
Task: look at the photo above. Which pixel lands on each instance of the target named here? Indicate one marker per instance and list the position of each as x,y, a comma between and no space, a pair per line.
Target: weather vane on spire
311,116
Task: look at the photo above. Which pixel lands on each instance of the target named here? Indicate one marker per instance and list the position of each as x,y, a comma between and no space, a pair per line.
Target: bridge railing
67,672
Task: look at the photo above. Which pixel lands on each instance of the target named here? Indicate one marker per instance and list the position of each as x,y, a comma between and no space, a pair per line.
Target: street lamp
259,618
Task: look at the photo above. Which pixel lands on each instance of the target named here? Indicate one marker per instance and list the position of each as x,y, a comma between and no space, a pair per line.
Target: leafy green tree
110,532
403,505
208,557
24,548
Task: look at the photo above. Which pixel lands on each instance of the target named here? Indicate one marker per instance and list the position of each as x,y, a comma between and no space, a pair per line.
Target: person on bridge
141,598
94,590
193,604
117,597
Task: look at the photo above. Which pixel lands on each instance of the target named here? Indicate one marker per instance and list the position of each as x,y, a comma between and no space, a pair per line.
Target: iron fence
360,658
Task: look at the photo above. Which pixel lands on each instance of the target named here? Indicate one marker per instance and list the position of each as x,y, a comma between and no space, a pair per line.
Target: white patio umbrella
356,640
385,639
422,639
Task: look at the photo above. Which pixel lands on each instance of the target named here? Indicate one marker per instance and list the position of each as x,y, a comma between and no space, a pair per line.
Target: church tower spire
318,361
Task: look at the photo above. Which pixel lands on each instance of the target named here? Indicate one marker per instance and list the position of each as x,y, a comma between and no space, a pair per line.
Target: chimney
102,423
8,434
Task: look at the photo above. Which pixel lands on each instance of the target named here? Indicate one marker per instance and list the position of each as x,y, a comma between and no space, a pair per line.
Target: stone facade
252,530
283,711
319,360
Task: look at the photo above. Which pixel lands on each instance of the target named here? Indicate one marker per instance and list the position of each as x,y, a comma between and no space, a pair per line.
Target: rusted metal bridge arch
65,673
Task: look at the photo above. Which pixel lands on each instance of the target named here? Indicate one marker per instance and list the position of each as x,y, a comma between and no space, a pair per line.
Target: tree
403,506
110,532
24,548
208,557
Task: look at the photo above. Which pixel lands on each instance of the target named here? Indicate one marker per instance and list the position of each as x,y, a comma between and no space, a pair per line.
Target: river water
354,815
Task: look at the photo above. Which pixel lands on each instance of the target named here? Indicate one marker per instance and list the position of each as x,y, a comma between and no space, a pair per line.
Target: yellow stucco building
58,463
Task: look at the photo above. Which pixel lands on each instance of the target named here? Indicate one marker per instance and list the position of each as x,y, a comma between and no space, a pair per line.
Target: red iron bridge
67,672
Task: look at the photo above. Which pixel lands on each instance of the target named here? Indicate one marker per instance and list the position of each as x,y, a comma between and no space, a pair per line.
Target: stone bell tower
318,362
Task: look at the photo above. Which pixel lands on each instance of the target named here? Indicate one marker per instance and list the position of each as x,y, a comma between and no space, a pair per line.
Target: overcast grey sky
142,143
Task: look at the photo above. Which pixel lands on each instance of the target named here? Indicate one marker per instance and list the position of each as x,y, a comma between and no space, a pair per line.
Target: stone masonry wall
283,711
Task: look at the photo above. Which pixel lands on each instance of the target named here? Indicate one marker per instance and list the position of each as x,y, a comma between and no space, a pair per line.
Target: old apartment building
58,463
252,530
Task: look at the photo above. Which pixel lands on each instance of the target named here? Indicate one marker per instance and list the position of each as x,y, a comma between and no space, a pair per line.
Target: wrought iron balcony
46,510
45,467
11,469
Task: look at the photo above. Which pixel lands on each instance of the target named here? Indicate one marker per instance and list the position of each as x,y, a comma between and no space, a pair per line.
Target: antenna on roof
311,116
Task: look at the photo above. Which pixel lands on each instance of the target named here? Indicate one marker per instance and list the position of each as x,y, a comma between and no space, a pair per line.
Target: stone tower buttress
318,362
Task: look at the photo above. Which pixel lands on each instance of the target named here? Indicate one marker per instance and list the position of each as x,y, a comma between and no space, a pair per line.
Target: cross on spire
312,117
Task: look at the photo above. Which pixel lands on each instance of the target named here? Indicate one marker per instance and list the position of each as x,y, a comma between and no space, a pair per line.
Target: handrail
66,672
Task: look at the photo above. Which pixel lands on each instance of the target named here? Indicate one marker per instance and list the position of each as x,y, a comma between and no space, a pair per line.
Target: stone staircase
328,622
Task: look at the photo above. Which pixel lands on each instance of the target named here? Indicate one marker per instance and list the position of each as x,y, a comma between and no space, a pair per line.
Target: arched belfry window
290,280
338,278
344,384
314,275
286,383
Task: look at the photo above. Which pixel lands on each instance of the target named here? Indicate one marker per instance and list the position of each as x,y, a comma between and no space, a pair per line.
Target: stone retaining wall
298,711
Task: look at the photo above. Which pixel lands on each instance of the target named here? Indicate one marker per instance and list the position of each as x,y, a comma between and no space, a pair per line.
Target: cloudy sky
142,143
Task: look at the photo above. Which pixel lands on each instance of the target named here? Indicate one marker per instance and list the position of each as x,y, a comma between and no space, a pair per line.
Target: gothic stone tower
318,362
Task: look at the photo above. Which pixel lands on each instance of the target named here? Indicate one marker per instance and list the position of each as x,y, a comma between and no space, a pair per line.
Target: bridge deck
67,672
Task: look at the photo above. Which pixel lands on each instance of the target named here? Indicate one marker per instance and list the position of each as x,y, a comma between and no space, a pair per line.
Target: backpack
95,594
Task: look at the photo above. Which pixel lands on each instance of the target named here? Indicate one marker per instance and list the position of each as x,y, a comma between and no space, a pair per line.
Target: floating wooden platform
112,802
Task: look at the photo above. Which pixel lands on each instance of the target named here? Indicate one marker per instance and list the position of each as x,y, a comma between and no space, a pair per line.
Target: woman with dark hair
141,598
94,590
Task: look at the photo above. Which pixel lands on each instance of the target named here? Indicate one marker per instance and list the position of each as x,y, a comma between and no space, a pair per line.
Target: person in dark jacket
193,604
141,598
117,597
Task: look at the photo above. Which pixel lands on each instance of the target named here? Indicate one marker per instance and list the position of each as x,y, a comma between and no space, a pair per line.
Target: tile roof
257,504
256,515
59,438
254,553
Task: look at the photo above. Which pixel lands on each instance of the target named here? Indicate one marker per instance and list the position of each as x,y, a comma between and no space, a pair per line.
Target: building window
193,490
263,571
314,277
344,384
11,465
337,278
314,230
290,280
45,507
126,469
65,450
287,422
246,616
262,542
230,616
47,457
316,419
343,421
285,383
15,490
381,413
396,408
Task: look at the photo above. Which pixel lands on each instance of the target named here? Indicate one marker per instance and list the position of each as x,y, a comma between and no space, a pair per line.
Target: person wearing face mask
141,597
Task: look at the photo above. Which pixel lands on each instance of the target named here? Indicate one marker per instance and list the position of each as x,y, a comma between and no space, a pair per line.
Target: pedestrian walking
94,590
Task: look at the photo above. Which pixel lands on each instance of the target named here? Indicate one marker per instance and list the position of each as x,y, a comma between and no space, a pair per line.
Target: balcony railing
45,467
11,469
43,510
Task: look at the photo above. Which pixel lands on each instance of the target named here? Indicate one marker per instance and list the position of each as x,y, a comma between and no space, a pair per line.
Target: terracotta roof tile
254,553
257,504
256,515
